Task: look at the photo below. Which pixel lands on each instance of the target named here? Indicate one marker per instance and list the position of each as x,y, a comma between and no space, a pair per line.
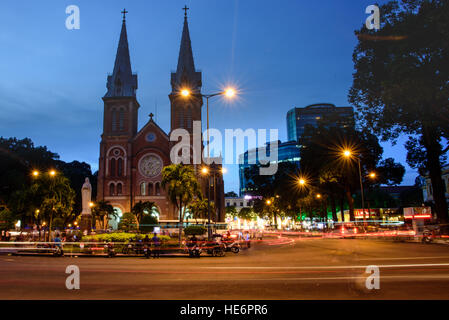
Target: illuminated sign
417,213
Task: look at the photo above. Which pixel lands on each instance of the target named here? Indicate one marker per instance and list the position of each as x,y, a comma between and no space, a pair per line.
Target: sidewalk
97,255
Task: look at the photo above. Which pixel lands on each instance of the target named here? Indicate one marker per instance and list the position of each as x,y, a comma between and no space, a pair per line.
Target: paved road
285,268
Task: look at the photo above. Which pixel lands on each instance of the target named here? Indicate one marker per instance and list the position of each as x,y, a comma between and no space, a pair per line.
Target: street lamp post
372,176
52,174
302,184
211,181
348,154
228,93
361,191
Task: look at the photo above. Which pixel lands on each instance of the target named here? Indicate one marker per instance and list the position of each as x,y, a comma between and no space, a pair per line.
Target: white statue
86,195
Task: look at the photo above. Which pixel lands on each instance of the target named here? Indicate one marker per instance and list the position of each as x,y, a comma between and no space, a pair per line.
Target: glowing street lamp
347,153
318,196
230,92
372,175
52,173
91,204
301,182
185,92
35,173
204,170
268,202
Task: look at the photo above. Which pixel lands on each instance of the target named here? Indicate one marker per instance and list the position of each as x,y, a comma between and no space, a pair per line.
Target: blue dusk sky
280,55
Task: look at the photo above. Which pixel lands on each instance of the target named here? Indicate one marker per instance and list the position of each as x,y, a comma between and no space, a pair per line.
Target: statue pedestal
86,222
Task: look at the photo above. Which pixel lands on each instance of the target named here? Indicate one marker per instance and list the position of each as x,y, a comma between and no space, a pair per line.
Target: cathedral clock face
150,165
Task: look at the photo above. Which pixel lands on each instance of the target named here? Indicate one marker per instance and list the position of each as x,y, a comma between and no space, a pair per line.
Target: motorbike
215,249
194,250
109,250
233,247
146,251
427,237
58,252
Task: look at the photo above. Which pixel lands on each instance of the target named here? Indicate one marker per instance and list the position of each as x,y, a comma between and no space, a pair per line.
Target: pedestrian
247,239
156,245
3,235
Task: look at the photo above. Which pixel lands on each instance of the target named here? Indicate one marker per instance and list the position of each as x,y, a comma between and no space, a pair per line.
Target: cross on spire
124,12
185,10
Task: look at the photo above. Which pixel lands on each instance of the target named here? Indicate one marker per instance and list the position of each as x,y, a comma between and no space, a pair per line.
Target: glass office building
287,151
298,118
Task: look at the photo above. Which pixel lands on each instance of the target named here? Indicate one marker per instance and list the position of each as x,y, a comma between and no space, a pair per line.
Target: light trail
340,267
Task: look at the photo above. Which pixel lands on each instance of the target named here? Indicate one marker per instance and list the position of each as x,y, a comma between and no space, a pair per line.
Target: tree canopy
182,187
401,83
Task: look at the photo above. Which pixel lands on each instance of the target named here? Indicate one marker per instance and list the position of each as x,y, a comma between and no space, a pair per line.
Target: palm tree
102,210
200,208
140,209
182,187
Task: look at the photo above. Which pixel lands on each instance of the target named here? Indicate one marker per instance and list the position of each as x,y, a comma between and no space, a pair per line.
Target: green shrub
127,222
146,221
6,219
120,237
195,230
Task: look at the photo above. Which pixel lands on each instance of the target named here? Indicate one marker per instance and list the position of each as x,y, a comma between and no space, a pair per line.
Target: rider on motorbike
58,245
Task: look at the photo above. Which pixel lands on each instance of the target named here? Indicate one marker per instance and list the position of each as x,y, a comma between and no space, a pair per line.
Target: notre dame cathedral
131,160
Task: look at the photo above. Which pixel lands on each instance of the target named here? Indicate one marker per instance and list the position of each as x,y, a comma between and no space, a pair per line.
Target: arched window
119,167
119,188
158,189
150,189
143,189
111,189
112,172
121,119
114,120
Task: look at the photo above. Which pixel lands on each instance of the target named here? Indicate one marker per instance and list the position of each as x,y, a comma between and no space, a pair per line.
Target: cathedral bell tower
120,104
185,109
119,128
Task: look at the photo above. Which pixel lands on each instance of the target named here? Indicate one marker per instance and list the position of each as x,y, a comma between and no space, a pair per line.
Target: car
346,231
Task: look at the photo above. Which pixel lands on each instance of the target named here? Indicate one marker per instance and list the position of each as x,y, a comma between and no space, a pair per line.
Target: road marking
406,258
415,277
340,267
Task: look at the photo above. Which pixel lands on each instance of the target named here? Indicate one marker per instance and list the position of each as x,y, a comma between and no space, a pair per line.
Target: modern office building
287,151
298,118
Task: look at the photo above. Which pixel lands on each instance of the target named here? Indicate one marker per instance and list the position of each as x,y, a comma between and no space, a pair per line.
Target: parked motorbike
215,249
146,251
109,250
427,237
128,248
233,247
194,250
